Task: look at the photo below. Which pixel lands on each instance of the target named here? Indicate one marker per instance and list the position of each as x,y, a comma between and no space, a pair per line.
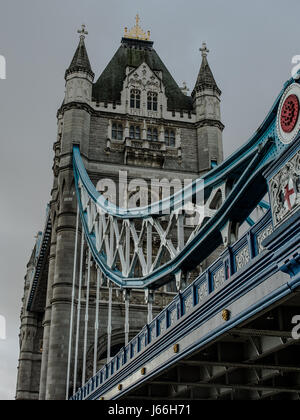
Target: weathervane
136,32
82,32
204,50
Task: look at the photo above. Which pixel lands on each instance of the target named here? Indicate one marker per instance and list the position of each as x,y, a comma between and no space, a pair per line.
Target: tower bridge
136,302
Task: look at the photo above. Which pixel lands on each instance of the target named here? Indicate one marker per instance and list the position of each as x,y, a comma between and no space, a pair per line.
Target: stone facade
147,127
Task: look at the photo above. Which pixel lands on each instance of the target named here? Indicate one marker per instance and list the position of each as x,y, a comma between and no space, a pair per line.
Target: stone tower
134,118
206,101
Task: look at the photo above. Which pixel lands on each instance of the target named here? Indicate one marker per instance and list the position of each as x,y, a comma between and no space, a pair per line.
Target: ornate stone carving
173,316
153,334
263,235
133,349
202,291
162,325
219,278
142,343
242,258
285,190
188,304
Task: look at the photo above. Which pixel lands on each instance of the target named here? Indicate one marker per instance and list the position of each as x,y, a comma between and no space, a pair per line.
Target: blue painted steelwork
217,174
241,267
264,205
246,166
250,221
261,266
198,245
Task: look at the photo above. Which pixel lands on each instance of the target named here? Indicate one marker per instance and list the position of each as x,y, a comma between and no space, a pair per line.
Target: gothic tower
133,119
206,100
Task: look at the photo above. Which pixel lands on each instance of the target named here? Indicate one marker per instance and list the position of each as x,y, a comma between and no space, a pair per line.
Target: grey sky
251,44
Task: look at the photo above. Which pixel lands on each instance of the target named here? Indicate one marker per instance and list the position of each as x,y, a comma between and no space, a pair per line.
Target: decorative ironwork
289,113
288,121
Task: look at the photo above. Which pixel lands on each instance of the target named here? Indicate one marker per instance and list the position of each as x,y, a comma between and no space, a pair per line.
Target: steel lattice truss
146,247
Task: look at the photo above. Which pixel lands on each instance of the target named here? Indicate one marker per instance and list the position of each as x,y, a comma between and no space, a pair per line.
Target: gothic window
135,98
152,134
117,131
170,138
135,132
152,101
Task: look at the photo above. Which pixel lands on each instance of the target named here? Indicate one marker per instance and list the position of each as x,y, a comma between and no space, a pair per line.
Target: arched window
135,98
117,131
135,132
152,134
152,101
170,138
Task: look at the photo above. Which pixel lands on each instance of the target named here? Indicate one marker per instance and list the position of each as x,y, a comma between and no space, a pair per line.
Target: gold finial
204,50
82,32
137,19
136,32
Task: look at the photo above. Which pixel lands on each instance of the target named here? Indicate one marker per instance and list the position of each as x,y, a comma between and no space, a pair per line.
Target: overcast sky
251,46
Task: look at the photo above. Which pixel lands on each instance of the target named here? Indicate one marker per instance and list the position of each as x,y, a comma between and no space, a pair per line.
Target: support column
47,317
149,297
127,326
61,305
72,306
27,358
109,322
78,315
86,319
99,280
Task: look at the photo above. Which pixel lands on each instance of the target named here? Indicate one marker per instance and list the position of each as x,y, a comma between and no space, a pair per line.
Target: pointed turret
78,96
81,60
205,79
79,76
206,102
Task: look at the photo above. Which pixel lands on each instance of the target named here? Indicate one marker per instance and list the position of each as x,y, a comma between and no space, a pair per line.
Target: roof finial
204,50
136,32
137,19
82,32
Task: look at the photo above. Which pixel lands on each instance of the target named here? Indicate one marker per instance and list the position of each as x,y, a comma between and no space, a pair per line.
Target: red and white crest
288,117
289,194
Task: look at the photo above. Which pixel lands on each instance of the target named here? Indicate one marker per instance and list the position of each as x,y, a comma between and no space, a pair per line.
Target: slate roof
133,53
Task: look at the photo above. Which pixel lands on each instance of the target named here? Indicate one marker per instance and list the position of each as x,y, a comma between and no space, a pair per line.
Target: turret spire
205,77
81,60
